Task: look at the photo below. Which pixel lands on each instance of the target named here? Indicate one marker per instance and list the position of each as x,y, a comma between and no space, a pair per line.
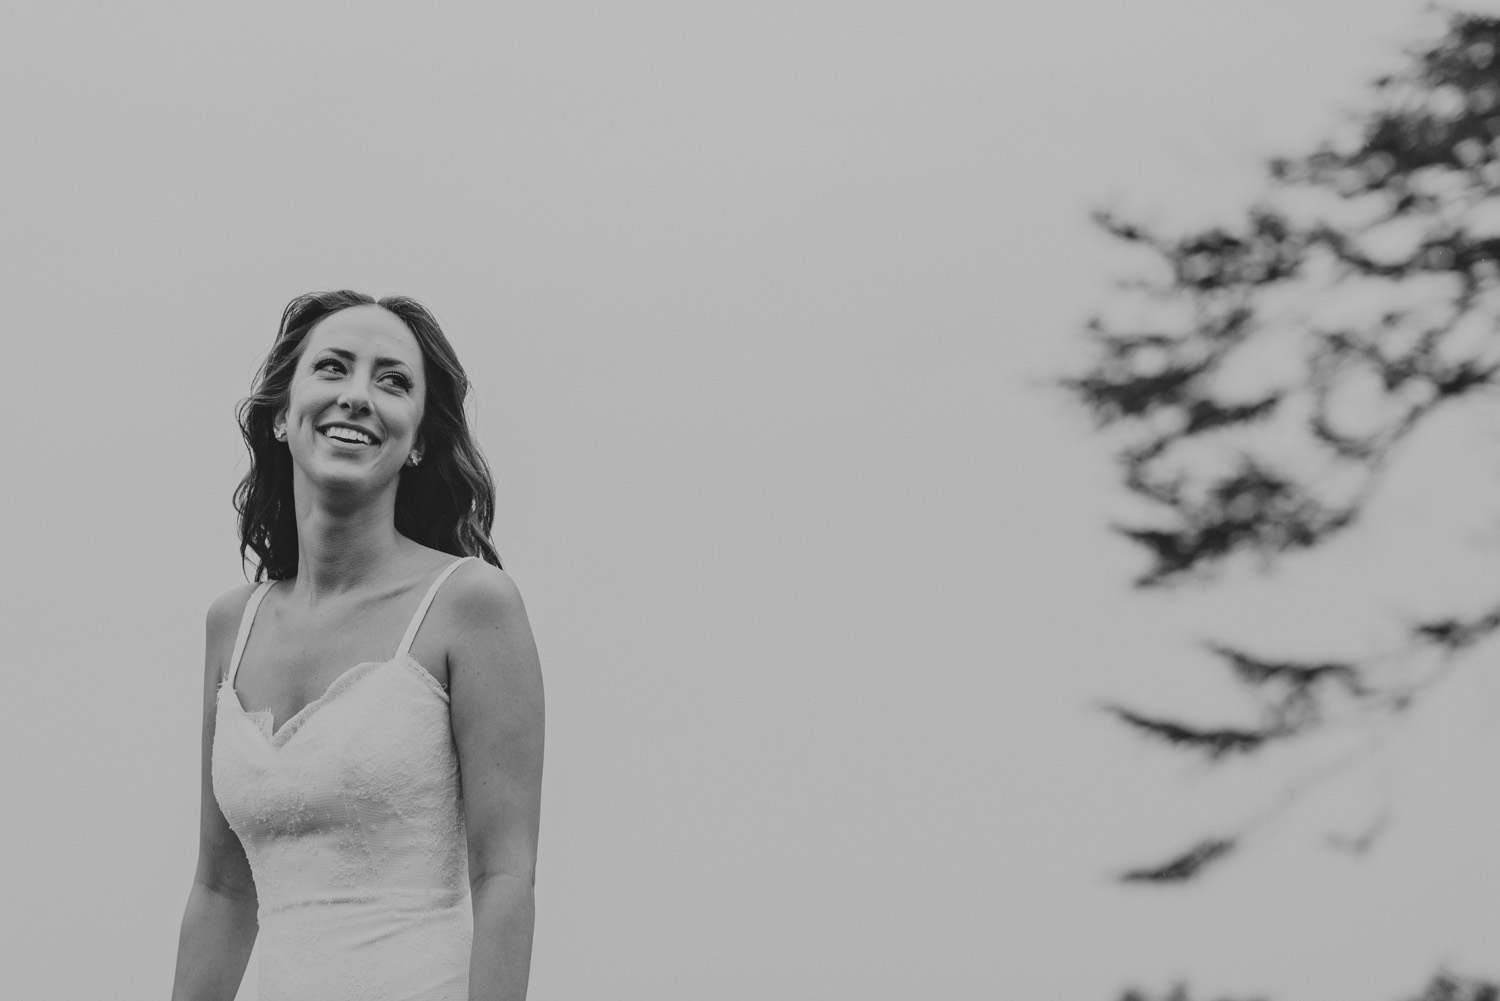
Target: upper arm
495,684
222,865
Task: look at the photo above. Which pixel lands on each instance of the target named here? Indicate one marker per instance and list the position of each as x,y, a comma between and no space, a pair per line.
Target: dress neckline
277,736
293,723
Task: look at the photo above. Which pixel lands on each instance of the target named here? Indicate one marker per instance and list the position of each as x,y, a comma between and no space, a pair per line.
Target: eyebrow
349,356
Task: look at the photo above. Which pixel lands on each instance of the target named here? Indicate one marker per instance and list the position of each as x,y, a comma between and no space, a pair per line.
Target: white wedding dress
351,816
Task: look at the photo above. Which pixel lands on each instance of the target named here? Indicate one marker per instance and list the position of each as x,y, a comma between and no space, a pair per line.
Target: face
355,400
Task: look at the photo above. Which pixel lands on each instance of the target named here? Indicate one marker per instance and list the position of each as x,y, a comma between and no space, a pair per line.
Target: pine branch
1184,866
1216,743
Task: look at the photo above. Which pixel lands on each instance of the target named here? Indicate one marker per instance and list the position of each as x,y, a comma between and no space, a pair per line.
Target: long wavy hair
447,502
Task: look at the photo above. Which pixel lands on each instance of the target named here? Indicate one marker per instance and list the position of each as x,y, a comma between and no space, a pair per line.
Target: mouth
348,434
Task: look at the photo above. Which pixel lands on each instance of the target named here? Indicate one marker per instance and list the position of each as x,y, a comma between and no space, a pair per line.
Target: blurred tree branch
1443,987
1369,275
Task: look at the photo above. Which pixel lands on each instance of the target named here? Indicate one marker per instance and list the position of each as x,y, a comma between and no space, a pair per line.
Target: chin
347,478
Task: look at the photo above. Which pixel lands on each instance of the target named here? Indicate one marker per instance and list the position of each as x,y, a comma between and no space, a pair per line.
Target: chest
291,660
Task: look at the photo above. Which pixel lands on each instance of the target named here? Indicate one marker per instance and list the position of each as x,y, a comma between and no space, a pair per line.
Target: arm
495,683
219,924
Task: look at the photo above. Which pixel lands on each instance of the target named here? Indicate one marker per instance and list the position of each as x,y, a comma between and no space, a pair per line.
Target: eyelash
401,380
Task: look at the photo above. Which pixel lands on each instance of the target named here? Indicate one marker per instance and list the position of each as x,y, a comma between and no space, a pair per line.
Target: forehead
366,329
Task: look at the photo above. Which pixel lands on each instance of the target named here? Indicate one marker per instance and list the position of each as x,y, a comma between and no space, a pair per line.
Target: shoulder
227,609
492,657
487,621
480,593
223,624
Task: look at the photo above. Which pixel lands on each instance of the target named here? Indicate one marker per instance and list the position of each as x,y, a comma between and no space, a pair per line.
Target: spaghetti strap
245,622
416,620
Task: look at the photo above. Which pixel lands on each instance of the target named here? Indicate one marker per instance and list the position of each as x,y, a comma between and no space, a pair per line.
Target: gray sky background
757,299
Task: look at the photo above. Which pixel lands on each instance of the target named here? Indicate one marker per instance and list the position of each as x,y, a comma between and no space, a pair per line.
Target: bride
372,714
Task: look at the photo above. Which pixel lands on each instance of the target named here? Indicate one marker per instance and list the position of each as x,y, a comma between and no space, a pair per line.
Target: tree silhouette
1369,271
1443,987
1286,362
1177,993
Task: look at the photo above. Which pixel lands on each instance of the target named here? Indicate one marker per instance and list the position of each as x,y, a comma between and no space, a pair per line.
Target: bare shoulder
227,609
490,634
222,625
482,595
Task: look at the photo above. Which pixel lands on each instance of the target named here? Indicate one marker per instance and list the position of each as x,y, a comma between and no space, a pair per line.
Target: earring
280,433
416,458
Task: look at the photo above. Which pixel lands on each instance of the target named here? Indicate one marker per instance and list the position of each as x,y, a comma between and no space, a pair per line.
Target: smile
347,435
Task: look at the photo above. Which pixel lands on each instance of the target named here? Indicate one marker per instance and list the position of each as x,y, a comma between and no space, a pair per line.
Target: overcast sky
757,300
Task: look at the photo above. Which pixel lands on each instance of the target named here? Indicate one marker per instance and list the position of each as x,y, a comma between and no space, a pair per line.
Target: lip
374,438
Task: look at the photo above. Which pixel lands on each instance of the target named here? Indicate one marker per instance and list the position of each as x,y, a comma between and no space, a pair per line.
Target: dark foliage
1400,219
1178,993
1444,987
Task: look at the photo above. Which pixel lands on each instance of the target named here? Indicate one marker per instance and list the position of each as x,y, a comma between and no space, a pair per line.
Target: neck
343,542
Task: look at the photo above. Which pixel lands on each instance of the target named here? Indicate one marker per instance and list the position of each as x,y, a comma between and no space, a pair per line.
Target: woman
372,817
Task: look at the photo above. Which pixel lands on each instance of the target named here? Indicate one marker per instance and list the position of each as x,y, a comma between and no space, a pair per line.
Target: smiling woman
448,504
374,818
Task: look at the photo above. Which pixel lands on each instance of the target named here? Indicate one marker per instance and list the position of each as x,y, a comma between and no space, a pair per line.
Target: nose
354,398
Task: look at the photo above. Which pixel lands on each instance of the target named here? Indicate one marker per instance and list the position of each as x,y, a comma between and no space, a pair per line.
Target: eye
400,380
318,365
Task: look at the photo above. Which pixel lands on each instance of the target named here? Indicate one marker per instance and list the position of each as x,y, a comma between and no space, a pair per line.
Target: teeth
349,434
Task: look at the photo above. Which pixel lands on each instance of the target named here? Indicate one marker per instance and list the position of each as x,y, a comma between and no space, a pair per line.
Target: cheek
306,394
404,421
418,412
